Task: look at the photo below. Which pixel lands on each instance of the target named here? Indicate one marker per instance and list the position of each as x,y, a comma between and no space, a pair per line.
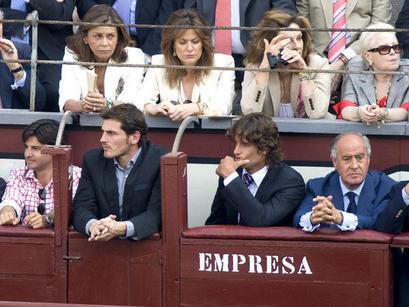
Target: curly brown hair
261,131
277,19
190,18
100,14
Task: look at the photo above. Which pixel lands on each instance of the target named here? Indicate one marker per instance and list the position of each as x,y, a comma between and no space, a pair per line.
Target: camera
274,60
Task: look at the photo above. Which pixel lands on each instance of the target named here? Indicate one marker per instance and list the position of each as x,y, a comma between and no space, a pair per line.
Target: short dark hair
130,117
45,130
261,131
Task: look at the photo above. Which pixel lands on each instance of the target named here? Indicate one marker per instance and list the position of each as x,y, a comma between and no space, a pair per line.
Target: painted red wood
118,272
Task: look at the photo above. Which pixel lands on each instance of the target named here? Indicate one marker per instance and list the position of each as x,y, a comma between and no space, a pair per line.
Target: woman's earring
174,52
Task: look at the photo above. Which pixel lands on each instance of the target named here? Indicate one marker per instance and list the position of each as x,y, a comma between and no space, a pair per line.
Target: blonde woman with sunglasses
380,97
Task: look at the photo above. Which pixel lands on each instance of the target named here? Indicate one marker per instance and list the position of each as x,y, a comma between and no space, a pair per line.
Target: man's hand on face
106,229
35,220
228,166
325,212
8,216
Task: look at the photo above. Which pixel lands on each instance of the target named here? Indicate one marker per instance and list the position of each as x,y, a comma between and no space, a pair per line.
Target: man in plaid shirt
29,195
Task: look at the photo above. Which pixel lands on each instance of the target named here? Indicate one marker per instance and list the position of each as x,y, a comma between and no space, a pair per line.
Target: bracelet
385,113
305,76
16,70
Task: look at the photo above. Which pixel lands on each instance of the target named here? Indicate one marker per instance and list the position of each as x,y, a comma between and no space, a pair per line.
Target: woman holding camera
285,94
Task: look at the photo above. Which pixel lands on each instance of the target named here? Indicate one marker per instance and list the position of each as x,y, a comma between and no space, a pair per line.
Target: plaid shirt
23,188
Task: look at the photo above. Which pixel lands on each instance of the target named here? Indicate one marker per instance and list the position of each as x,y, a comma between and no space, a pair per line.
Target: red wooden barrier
219,265
273,266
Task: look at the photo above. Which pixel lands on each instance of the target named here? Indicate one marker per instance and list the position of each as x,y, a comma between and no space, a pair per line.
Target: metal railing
35,21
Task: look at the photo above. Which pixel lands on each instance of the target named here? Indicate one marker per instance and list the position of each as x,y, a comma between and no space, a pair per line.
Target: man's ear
135,137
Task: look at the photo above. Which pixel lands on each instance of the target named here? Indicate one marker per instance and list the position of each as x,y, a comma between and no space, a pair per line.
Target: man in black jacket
255,188
119,191
15,77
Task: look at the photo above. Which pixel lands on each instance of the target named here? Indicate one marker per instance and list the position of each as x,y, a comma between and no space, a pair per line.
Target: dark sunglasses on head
385,49
41,205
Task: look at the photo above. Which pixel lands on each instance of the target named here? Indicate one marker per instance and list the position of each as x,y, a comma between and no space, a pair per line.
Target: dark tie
247,179
352,203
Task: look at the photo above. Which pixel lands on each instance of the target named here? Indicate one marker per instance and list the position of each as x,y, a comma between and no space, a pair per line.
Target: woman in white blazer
285,94
89,88
178,93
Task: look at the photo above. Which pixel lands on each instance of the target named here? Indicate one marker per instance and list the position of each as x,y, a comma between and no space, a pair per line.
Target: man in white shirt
351,196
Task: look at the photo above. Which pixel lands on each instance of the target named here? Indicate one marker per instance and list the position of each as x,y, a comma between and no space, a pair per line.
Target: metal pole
33,63
61,128
179,134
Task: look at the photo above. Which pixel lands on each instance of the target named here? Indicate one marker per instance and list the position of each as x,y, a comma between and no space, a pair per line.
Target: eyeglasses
41,205
385,49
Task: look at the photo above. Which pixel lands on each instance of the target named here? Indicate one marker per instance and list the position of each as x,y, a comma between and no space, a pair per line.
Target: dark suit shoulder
154,149
94,154
322,182
286,173
378,178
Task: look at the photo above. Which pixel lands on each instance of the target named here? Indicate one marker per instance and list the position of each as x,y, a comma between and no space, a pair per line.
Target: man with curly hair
255,188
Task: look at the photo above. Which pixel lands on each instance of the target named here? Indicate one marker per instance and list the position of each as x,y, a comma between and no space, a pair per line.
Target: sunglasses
41,205
385,49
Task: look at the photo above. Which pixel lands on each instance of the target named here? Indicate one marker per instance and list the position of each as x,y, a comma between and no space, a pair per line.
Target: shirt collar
258,176
131,162
345,190
30,174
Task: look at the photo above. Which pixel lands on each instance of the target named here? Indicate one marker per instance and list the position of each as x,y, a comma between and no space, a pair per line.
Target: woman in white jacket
92,88
178,93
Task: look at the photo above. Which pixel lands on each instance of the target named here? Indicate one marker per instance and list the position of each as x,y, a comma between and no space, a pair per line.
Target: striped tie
338,39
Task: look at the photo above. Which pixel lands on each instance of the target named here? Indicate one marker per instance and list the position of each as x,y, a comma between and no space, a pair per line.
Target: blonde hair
367,38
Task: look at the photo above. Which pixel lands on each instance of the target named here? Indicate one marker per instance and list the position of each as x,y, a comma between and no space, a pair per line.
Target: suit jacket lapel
399,83
208,7
327,10
350,6
265,188
111,187
275,92
131,183
367,86
243,7
366,198
336,193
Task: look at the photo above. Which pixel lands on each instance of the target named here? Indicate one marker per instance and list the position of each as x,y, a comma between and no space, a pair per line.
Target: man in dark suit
51,44
154,12
255,187
119,191
351,196
403,23
395,219
251,12
15,78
